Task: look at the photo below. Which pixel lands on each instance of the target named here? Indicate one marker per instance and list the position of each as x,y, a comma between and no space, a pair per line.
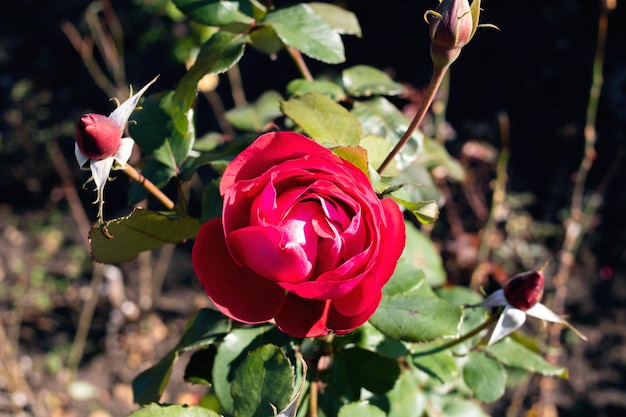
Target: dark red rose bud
97,136
451,27
524,290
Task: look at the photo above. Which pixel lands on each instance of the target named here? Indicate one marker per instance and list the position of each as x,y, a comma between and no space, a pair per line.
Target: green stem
491,320
427,99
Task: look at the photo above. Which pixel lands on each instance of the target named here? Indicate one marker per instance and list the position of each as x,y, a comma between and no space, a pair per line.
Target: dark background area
537,68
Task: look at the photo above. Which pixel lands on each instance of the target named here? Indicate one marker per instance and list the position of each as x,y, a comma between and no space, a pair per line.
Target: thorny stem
148,185
439,107
302,67
427,99
490,320
236,86
581,211
318,366
497,200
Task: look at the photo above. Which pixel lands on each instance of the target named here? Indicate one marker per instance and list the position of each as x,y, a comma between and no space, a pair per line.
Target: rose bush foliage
303,239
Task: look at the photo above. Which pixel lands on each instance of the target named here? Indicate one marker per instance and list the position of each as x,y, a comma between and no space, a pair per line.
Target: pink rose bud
97,136
524,290
451,27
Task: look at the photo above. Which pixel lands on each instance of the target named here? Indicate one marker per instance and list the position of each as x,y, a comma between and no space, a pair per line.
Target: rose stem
148,185
427,99
492,319
297,58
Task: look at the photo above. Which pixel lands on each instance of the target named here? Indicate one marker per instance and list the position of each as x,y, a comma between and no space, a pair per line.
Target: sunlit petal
81,158
510,320
494,300
122,113
544,313
100,171
124,151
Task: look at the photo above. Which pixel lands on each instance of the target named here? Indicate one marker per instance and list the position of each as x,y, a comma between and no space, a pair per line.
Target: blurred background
72,336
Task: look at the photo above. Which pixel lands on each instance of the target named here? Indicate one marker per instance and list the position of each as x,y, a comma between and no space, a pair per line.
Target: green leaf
300,87
200,366
158,134
291,409
323,120
406,398
230,354
484,376
406,278
163,410
208,142
515,355
378,116
360,409
377,150
356,155
342,20
453,406
363,80
370,338
215,159
255,117
415,183
211,202
259,10
218,54
415,314
213,12
416,317
141,230
300,27
264,39
434,154
426,212
200,331
378,376
440,365
424,256
265,378
458,295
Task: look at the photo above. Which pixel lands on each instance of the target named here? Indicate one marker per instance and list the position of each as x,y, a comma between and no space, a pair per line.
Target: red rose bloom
303,239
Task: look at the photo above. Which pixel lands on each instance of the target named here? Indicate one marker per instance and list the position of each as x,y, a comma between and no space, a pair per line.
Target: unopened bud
451,27
524,290
97,136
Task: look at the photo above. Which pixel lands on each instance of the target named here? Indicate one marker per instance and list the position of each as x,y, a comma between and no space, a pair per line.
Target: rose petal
393,237
300,317
268,150
495,299
542,312
265,251
331,284
237,291
81,158
121,114
124,151
341,324
100,171
510,320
